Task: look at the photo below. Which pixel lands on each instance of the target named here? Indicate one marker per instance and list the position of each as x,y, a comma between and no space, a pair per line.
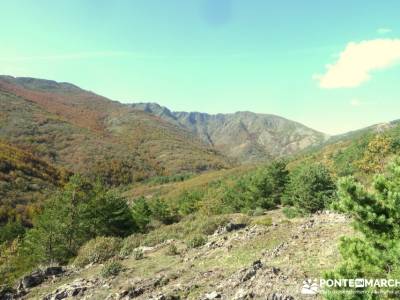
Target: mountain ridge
243,134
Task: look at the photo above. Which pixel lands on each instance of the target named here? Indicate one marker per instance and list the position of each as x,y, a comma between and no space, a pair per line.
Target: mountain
84,132
246,136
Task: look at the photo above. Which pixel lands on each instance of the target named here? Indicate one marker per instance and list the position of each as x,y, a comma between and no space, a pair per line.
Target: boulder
232,226
32,280
278,296
74,289
212,295
243,294
251,271
53,271
229,228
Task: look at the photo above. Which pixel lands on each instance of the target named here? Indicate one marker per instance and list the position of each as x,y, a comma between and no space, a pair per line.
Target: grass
263,221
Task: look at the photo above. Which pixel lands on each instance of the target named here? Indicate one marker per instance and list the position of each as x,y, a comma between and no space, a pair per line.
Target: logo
310,287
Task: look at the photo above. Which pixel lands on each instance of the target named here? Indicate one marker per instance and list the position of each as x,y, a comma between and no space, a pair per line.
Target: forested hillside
84,132
25,181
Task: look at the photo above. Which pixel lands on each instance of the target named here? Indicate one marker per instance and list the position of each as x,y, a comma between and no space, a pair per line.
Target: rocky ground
267,261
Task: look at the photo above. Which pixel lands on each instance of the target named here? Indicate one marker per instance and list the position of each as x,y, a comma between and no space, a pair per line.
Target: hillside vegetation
25,181
82,131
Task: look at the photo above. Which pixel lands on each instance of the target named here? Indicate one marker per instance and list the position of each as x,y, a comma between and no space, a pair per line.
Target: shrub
98,250
257,212
172,250
290,212
242,219
189,226
111,268
141,213
196,241
375,155
208,225
138,254
310,188
130,243
160,211
11,231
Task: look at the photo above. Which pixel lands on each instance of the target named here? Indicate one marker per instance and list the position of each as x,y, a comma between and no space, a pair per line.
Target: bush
138,254
172,250
188,202
208,225
310,188
98,250
242,219
111,268
196,241
290,212
11,231
141,214
257,212
130,243
161,212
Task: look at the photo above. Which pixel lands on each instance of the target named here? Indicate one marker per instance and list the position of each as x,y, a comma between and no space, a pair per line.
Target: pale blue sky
217,55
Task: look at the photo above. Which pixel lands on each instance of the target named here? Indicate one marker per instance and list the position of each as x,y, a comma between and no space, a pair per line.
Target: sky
331,65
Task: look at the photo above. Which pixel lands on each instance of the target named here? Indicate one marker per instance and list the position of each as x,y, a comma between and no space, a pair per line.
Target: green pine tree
375,252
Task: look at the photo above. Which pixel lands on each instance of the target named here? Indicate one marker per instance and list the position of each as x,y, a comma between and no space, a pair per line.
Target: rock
212,295
257,264
37,277
229,228
251,272
232,226
248,274
243,294
32,280
275,271
278,296
147,249
166,297
53,271
7,293
309,224
74,289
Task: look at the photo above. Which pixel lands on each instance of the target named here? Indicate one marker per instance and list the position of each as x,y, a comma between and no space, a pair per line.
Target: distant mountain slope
376,128
24,179
361,153
85,132
243,135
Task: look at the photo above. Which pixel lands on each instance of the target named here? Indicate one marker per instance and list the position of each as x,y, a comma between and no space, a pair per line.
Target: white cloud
384,30
356,62
355,102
